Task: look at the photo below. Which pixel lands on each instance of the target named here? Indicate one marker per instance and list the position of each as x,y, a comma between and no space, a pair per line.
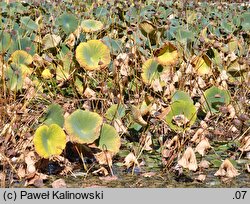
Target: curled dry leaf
137,117
59,183
130,160
104,157
204,164
101,171
180,120
201,178
245,144
231,111
203,146
188,160
173,143
120,127
227,170
30,162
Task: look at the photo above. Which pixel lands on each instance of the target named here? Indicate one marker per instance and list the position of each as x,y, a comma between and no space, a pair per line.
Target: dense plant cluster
132,84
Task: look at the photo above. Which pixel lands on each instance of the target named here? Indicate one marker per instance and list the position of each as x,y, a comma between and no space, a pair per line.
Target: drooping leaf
49,140
54,115
109,139
83,126
93,55
214,98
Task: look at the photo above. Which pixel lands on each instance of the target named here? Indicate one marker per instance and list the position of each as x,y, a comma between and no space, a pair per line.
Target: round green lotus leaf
109,139
182,115
93,55
49,140
68,22
202,65
151,70
167,55
83,126
214,98
181,95
21,57
89,25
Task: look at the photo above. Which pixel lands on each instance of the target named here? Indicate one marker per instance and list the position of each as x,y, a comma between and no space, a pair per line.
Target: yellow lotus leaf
93,55
167,55
202,65
49,140
21,57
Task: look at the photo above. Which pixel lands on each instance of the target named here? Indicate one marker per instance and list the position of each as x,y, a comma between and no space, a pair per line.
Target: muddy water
159,180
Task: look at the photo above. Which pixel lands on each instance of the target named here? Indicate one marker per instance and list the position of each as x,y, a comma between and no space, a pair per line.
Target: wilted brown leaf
30,160
136,115
203,146
227,170
188,160
108,178
245,144
201,178
130,160
204,164
104,157
101,171
59,183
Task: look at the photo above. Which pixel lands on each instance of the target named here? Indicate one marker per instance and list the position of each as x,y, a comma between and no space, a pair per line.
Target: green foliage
214,98
54,115
68,22
115,112
83,126
49,140
109,139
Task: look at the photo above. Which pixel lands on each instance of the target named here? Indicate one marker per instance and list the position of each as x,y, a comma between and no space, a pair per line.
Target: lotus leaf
202,65
115,111
5,41
50,41
181,95
21,57
215,98
167,55
49,140
151,70
29,23
54,115
68,22
89,25
83,126
109,139
93,55
182,115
